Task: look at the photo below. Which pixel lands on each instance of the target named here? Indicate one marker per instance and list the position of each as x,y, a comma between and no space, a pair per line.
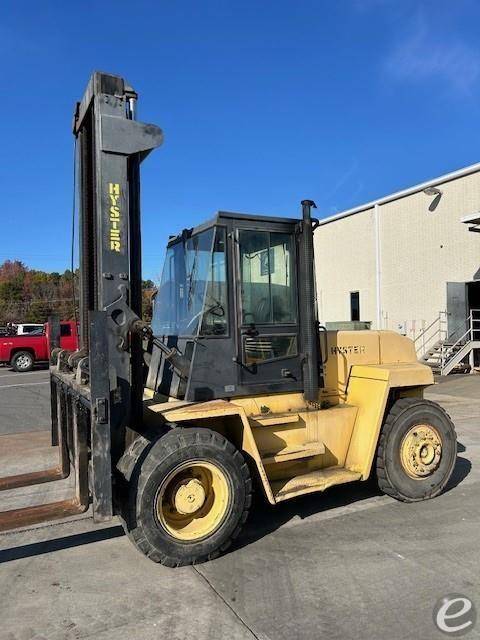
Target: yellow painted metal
370,396
397,375
192,501
275,419
345,349
421,451
328,430
368,390
395,349
277,404
189,497
317,480
295,452
299,448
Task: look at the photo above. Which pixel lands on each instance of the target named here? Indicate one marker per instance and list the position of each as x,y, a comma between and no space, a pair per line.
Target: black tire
22,361
392,476
177,448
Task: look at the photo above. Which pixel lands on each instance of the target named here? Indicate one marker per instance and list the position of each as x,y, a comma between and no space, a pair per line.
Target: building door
473,297
457,309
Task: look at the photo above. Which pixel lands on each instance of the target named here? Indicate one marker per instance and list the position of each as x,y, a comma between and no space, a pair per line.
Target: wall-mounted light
433,191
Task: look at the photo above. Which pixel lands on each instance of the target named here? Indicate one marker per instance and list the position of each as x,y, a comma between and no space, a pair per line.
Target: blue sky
262,104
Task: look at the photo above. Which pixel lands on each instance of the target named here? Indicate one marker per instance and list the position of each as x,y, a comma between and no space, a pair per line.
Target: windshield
192,299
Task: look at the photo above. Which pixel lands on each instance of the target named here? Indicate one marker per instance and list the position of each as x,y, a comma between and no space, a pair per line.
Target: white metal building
405,261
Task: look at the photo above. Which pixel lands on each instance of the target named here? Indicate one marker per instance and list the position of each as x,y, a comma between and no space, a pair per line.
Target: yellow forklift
234,385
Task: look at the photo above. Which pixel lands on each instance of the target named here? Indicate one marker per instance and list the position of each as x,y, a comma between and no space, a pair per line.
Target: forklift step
312,481
272,419
306,450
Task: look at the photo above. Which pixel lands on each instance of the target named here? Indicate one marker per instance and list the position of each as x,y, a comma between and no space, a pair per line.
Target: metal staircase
446,351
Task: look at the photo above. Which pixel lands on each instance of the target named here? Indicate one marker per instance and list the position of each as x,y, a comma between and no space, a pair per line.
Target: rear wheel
417,450
189,497
22,361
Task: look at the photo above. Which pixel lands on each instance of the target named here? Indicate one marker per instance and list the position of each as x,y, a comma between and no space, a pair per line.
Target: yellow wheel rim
192,501
421,451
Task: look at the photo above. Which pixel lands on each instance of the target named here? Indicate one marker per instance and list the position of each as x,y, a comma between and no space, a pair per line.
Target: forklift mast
110,147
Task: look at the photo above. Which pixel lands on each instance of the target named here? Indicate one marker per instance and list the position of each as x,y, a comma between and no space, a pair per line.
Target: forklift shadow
59,544
266,518
462,468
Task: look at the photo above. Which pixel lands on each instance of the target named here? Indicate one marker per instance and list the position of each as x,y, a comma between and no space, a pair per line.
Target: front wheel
189,497
417,450
22,361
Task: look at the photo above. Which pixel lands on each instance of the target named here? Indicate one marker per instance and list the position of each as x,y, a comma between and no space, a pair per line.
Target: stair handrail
447,353
422,347
424,331
460,327
472,320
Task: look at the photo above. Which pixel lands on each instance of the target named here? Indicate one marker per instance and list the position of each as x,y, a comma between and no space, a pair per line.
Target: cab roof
230,215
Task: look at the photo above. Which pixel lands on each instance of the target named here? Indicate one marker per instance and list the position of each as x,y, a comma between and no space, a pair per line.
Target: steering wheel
211,309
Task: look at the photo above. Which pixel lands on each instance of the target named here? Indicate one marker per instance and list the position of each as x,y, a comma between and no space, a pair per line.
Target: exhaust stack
308,319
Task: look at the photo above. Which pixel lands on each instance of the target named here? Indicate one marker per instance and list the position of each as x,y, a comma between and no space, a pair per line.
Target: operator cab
228,301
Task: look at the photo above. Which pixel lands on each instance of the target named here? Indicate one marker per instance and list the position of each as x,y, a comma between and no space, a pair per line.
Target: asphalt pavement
24,400
349,564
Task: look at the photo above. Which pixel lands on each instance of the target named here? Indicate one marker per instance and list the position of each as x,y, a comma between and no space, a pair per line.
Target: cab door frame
270,375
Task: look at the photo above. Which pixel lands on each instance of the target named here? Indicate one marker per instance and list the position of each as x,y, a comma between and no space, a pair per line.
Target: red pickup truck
21,352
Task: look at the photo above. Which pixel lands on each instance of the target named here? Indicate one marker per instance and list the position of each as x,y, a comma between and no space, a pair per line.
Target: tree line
30,295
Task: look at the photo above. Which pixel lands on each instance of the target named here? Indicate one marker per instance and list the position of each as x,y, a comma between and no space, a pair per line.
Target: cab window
267,289
215,308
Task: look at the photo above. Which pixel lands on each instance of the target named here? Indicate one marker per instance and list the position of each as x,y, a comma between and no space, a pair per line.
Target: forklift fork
70,423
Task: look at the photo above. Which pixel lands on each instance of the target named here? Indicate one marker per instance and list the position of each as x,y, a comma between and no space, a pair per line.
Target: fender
368,389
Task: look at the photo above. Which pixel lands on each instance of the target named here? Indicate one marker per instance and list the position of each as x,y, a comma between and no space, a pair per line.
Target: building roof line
453,175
